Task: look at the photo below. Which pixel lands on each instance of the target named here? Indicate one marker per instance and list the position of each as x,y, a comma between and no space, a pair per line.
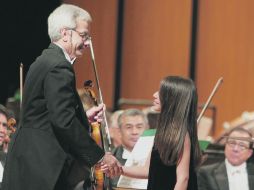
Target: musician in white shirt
235,173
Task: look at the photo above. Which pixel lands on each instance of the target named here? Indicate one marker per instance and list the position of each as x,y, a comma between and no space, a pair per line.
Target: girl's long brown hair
178,97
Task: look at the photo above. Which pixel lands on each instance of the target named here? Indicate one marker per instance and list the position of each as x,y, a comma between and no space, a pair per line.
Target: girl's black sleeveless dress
163,177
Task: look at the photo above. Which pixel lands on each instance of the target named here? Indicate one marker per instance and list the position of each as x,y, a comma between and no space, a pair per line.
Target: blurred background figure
235,172
132,123
3,129
4,138
114,129
5,132
152,116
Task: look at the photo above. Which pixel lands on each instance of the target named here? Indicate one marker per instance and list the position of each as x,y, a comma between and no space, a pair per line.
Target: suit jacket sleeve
203,179
62,104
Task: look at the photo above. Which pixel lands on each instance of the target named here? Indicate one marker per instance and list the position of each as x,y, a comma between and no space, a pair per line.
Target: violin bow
219,82
99,91
21,82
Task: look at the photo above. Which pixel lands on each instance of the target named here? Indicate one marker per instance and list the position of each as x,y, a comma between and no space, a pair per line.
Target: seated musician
132,123
4,139
114,130
235,173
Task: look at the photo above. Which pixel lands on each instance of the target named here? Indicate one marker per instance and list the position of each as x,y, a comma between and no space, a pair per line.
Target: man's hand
95,114
111,166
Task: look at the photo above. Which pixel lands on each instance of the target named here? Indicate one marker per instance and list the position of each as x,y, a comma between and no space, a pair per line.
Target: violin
100,131
98,178
11,123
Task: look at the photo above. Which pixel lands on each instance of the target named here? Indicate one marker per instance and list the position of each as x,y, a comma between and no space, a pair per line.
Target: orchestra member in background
176,153
4,138
132,123
114,130
52,144
235,173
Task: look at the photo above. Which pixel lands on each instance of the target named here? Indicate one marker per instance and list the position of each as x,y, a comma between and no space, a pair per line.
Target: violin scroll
11,123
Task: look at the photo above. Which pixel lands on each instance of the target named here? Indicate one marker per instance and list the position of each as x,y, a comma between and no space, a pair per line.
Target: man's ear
65,34
251,145
250,152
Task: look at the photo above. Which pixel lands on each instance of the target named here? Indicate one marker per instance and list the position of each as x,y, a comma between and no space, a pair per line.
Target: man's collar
66,54
126,153
232,168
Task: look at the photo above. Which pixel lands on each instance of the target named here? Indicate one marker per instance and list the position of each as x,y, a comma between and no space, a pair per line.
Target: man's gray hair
131,112
65,16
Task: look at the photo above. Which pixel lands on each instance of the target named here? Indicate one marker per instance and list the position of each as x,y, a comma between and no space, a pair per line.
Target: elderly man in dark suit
52,148
235,173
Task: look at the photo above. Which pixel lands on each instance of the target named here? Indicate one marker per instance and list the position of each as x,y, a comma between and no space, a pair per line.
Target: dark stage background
23,37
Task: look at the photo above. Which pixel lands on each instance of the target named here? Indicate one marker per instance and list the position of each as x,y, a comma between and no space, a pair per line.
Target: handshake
110,165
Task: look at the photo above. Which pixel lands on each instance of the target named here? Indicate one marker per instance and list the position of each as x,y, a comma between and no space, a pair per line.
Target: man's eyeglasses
241,144
84,35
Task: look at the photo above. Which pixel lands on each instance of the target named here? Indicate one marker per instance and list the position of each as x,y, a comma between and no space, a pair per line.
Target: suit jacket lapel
220,174
83,117
250,169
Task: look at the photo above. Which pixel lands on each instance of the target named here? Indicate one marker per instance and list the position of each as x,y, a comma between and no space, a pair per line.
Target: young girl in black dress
176,153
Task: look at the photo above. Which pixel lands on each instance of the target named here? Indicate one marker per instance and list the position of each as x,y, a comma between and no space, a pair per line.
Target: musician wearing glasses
235,173
52,148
